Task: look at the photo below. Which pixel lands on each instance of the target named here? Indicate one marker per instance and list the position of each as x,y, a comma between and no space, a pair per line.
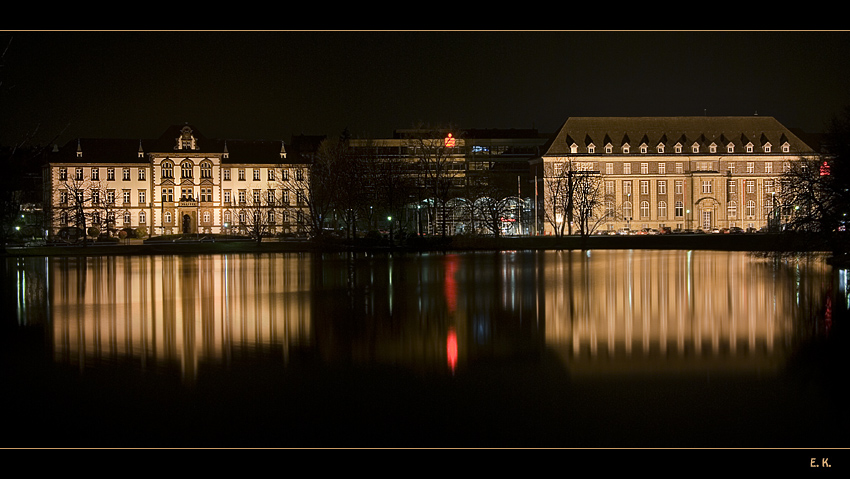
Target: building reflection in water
186,309
680,309
600,310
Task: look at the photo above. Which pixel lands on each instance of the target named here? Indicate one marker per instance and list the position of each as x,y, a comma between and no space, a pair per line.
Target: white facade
181,183
676,172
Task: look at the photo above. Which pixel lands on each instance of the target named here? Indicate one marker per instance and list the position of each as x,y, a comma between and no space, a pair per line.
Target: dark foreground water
513,349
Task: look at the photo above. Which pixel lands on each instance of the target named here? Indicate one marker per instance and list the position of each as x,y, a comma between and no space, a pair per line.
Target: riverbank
715,242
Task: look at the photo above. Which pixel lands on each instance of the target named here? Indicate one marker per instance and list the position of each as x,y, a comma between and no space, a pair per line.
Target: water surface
598,348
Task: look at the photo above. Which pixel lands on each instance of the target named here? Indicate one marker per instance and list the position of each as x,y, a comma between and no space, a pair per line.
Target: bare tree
435,152
309,193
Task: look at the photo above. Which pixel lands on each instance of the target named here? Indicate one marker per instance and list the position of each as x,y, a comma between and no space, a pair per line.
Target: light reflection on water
599,310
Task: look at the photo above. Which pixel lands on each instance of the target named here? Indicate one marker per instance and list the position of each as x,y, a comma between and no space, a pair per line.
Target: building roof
115,150
685,130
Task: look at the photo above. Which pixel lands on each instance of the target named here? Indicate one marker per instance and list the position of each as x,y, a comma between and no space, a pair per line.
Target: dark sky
271,85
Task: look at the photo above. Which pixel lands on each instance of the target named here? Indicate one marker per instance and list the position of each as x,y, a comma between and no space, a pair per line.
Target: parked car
736,230
665,230
624,231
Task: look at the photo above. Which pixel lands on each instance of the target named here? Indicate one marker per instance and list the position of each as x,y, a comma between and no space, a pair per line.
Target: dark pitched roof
685,129
112,150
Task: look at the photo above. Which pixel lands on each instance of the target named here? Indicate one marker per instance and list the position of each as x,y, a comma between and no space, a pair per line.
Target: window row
661,168
94,174
706,187
109,219
679,209
93,197
679,148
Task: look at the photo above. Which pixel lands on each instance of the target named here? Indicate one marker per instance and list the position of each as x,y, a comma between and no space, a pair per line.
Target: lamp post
390,219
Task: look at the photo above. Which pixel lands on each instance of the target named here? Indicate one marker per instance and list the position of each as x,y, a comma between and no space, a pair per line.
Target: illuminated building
474,162
676,172
179,183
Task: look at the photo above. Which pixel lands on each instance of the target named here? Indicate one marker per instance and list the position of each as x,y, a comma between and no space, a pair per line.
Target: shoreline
754,242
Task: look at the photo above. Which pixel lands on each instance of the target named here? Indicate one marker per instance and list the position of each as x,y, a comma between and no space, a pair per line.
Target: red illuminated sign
824,169
450,141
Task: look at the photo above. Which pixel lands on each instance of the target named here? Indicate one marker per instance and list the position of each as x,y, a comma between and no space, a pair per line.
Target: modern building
452,169
676,172
179,183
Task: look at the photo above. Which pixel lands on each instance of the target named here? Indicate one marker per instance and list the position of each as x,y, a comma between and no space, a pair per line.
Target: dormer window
626,148
186,141
677,148
609,148
786,147
660,148
730,148
712,148
591,148
695,148
643,149
766,147
749,148
573,148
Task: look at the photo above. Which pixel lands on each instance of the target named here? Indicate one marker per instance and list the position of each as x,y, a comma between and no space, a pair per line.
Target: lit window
751,208
167,169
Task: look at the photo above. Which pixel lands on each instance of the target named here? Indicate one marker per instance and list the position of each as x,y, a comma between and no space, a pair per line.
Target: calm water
561,349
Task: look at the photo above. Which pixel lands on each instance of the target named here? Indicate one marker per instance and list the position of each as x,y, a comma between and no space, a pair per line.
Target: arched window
644,209
751,208
142,217
127,218
206,170
167,169
167,217
627,209
662,209
186,169
227,217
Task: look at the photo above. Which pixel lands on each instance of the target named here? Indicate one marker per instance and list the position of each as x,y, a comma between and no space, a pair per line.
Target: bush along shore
213,244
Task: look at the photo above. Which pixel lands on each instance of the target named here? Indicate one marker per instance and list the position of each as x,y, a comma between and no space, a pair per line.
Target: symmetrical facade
180,183
675,172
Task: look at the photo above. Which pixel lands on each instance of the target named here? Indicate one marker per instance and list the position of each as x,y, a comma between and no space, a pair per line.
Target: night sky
272,85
